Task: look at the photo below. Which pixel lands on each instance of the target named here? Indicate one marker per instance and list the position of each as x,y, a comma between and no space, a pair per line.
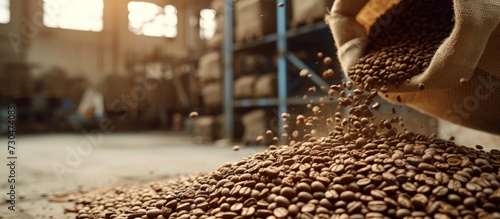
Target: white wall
93,54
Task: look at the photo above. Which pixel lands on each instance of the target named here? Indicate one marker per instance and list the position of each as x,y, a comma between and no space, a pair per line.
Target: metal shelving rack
284,56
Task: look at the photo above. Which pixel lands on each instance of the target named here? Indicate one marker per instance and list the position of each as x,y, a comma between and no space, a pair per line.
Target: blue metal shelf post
281,46
228,68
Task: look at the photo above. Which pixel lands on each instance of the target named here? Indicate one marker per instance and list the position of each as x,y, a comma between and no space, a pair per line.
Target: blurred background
73,65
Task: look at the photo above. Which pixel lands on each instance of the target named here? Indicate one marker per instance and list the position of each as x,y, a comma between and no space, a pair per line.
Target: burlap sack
471,52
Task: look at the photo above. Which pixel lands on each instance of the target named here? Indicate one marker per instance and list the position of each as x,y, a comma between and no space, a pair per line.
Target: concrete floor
54,164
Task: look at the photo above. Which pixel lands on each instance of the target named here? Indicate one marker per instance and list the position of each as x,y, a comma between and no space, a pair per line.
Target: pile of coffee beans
363,168
402,42
387,176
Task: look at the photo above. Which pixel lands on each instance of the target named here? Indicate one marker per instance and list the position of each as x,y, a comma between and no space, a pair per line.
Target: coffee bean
470,202
153,213
461,178
305,196
263,213
442,177
317,186
426,166
402,213
391,202
288,192
236,207
280,212
388,177
360,142
424,189
453,161
377,206
282,201
440,191
378,168
245,191
308,208
338,168
363,182
421,86
347,196
346,179
419,201
473,187
376,193
303,187
293,209
409,187
441,215
405,201
354,207
374,215
390,190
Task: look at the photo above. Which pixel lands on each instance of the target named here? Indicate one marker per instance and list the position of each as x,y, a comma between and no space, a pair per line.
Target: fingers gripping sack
438,56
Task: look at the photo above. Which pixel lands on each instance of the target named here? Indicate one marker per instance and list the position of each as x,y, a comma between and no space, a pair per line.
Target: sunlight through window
84,15
207,23
4,11
152,20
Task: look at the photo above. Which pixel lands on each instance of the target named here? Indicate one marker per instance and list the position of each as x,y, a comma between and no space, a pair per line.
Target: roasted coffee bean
419,201
440,191
303,187
263,213
402,213
247,211
426,166
293,209
308,208
363,182
354,207
282,201
388,176
305,196
288,192
442,178
280,212
374,215
331,195
347,196
441,215
409,187
405,201
346,179
470,202
236,207
317,186
379,194
453,161
424,189
377,206
391,202
153,213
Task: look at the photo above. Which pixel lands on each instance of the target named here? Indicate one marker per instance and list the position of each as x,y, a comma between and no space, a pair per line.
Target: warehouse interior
108,93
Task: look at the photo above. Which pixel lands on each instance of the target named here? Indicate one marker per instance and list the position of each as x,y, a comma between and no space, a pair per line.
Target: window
84,15
4,11
207,23
152,20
